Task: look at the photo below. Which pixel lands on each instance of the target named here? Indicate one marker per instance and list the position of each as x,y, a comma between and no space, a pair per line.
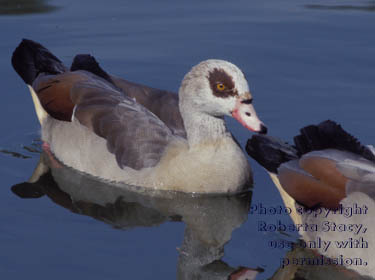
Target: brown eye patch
221,83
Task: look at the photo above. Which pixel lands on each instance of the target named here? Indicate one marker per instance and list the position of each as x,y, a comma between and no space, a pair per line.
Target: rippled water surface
306,61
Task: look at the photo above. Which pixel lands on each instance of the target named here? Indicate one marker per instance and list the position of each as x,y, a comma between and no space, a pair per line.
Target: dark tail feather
329,135
270,152
30,59
88,63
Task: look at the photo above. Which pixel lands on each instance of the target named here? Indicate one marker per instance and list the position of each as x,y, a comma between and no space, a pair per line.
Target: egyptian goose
327,180
125,132
317,171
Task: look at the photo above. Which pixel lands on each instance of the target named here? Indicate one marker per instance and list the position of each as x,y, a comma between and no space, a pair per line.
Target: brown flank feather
54,93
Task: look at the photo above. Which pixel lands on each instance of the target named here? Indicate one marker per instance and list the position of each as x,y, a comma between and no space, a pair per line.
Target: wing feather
162,103
134,135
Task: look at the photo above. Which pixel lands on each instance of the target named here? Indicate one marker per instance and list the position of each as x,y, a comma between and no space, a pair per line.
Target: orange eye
220,86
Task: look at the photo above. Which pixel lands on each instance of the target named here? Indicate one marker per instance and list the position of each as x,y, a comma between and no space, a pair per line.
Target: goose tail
271,152
30,59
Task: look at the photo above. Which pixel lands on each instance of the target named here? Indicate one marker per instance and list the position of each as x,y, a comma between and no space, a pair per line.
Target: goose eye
220,86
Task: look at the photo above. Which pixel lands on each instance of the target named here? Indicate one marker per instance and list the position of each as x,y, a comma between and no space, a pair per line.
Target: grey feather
164,104
135,135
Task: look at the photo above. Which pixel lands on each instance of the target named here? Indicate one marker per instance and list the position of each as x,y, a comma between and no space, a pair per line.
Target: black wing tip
31,58
329,135
88,63
270,152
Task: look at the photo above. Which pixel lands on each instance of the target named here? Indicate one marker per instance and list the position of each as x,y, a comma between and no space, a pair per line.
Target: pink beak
244,112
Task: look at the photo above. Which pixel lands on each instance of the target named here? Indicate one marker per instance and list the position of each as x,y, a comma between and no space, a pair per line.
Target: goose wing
164,104
135,135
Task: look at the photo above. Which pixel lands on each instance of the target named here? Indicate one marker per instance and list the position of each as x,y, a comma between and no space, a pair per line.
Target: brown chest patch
221,83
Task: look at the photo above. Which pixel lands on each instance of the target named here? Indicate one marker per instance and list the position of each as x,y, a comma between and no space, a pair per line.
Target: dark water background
306,61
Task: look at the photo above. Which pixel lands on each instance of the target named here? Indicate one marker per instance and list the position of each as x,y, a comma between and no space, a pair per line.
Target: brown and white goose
124,132
332,175
323,166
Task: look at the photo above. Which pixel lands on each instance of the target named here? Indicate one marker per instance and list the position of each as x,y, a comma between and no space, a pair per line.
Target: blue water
306,61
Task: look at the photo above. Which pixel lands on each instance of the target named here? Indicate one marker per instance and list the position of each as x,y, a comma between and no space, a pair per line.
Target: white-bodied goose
125,132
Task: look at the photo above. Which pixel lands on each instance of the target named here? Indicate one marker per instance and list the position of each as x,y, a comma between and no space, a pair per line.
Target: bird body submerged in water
124,132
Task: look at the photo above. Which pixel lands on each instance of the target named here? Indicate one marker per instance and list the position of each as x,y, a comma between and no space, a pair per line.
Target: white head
219,88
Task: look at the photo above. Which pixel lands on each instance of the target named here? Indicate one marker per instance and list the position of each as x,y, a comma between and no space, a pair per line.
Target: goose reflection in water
363,6
21,7
210,220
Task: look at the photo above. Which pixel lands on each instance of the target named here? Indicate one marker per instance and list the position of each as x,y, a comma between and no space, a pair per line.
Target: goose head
219,88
